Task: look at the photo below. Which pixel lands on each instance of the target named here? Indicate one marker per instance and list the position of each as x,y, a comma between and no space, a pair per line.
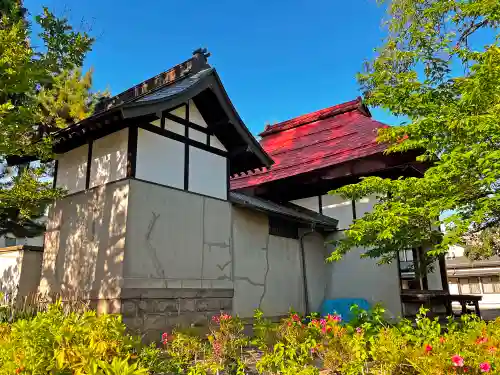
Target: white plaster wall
267,269
197,136
109,158
195,115
160,159
214,142
311,203
339,208
85,242
207,173
10,271
317,271
72,169
174,126
178,240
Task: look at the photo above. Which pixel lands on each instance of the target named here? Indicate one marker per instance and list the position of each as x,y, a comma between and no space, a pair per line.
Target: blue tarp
342,307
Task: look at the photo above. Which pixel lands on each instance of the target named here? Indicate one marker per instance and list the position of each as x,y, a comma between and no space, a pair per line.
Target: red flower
428,348
457,361
485,367
481,340
225,317
442,340
466,369
164,338
492,349
19,369
296,318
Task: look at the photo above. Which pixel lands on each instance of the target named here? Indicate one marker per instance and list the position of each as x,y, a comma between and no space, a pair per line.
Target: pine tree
40,91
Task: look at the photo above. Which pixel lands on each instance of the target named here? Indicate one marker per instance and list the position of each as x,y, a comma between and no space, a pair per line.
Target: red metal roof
316,140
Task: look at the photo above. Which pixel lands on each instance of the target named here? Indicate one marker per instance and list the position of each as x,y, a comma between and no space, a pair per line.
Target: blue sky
277,59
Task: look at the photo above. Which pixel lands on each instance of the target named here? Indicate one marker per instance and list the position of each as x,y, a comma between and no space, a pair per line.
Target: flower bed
62,342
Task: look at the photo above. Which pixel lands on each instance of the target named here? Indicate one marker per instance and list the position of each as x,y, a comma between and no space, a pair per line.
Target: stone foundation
150,312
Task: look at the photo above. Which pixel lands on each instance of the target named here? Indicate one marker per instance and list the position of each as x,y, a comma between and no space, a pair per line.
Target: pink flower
457,361
359,330
164,338
322,322
428,348
216,319
485,367
334,318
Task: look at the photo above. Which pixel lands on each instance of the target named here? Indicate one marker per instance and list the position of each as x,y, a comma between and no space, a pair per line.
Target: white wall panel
174,126
311,203
195,115
339,208
160,159
214,142
197,136
72,169
109,158
207,173
365,205
156,122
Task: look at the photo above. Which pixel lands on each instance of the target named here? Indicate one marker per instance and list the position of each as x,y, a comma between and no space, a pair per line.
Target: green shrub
55,342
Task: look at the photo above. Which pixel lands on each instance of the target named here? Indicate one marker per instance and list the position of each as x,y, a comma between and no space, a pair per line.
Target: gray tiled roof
175,88
289,210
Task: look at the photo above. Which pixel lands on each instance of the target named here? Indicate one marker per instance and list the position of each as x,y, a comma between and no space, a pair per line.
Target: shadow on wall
84,244
9,279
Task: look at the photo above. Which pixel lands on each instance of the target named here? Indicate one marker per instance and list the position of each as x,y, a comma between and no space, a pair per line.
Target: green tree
41,90
430,71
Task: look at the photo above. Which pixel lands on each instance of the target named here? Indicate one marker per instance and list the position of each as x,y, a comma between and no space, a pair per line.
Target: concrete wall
10,271
267,269
85,243
30,273
20,272
353,277
179,240
109,158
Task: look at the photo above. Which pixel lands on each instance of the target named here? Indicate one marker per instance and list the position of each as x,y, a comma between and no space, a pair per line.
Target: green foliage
430,72
41,90
60,342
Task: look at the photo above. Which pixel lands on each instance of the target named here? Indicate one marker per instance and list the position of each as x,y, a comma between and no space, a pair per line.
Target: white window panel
207,173
160,159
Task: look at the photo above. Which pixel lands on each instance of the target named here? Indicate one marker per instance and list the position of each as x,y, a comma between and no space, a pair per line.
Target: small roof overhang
288,211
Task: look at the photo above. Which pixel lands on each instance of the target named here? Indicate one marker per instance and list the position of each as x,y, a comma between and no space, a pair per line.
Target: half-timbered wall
180,151
109,158
72,169
160,159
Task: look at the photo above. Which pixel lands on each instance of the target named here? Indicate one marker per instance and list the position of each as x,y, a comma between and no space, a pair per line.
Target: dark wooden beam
133,134
89,165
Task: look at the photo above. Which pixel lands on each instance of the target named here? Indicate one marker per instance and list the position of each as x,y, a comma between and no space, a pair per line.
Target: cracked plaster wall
267,269
178,240
355,277
85,243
